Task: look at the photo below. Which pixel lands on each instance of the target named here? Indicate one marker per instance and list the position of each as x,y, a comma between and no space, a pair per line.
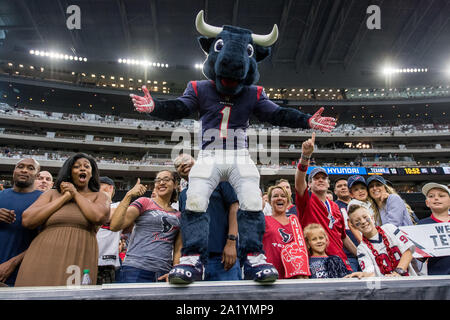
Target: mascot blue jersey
224,119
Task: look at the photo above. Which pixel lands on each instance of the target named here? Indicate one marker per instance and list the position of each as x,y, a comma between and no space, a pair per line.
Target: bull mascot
225,103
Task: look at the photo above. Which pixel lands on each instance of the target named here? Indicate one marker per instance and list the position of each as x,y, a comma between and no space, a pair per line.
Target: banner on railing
431,240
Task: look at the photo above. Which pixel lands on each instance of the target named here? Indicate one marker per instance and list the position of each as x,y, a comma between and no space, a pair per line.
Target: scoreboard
420,170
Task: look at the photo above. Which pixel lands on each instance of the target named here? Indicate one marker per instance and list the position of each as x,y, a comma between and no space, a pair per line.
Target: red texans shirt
310,209
276,236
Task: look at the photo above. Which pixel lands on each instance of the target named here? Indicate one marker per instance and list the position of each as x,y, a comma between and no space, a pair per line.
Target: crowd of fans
386,160
138,239
300,94
162,160
349,129
48,226
359,94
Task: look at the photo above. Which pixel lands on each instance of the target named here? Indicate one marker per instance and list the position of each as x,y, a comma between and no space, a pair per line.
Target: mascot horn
225,104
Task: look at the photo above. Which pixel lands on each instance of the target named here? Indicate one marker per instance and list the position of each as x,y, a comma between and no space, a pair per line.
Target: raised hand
321,123
138,189
384,195
308,145
143,104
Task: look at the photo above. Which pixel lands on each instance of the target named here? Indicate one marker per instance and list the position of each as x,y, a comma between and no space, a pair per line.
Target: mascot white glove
321,123
143,104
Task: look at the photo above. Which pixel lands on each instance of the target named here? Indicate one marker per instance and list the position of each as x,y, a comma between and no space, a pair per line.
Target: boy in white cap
438,200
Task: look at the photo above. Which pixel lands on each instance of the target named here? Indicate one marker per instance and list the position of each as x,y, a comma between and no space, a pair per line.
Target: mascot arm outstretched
167,110
268,111
287,117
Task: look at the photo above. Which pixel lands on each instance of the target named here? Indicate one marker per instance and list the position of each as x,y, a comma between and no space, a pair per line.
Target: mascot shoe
189,269
257,268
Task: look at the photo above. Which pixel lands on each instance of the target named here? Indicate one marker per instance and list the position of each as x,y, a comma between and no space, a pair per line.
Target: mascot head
232,54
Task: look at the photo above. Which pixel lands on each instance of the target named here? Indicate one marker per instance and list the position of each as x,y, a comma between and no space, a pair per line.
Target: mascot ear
261,53
205,43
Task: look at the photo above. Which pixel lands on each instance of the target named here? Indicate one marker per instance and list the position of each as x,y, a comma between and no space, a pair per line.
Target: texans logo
284,235
167,226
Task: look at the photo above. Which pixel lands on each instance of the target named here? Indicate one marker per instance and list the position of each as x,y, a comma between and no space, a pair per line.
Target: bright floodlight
388,70
447,71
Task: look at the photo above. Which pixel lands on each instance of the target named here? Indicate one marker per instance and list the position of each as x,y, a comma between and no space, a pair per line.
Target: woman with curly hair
68,217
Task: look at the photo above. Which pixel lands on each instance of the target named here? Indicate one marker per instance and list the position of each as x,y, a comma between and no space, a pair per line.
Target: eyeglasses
165,180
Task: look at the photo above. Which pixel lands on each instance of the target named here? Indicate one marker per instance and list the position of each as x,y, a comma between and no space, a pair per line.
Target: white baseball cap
433,185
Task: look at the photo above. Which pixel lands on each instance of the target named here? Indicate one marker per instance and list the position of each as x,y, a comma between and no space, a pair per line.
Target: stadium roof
321,42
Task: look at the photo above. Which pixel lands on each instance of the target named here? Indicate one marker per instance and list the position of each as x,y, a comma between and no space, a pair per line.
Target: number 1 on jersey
224,123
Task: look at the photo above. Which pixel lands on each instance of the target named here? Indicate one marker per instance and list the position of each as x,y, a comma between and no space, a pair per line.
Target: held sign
431,240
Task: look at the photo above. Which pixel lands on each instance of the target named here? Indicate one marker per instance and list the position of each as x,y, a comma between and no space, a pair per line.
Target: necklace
391,263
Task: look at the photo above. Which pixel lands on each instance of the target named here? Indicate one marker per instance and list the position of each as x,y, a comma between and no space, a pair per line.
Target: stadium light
56,55
389,70
144,63
447,71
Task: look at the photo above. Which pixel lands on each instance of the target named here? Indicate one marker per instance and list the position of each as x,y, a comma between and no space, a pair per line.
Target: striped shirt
152,240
